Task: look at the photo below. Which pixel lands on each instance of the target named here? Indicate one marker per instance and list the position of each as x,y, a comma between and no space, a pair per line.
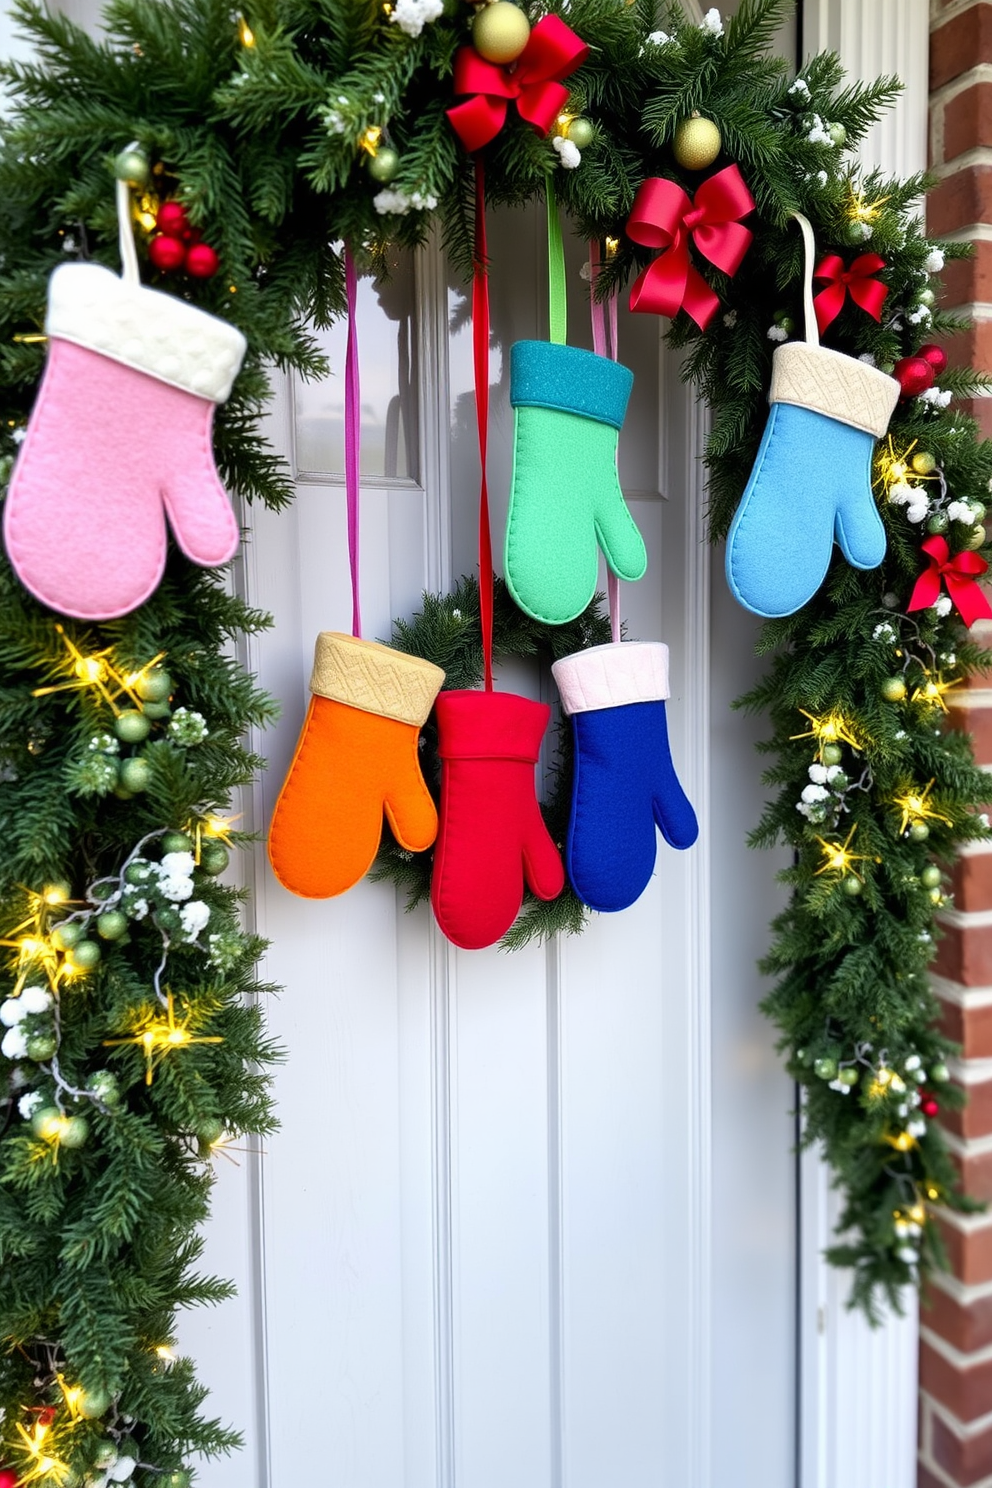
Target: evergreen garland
115,829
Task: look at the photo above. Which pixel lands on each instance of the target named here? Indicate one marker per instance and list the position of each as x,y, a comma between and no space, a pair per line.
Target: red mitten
491,833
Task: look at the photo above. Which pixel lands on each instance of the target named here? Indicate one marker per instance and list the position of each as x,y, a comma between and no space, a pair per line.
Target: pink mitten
119,436
491,833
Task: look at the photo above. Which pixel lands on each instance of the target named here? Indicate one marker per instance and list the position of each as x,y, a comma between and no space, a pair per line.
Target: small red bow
533,82
664,216
864,290
960,574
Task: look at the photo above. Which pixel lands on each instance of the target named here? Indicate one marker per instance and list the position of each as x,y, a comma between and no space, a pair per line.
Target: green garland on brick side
265,138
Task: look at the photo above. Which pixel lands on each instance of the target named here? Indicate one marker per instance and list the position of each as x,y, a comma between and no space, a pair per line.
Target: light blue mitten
811,482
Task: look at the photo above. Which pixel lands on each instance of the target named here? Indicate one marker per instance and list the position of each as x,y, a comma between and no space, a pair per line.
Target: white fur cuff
613,675
146,329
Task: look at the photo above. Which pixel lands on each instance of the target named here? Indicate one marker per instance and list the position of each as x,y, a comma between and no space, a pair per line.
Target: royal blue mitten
811,482
624,780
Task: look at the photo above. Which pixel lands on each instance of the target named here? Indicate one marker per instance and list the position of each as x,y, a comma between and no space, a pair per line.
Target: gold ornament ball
924,463
893,689
976,537
697,143
500,32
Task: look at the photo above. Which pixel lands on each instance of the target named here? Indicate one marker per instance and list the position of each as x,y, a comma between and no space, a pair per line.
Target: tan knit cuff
830,382
375,678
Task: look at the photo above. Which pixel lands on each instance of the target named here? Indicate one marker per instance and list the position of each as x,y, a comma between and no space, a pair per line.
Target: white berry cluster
164,887
394,203
712,23
33,1002
413,15
569,154
824,795
187,727
913,498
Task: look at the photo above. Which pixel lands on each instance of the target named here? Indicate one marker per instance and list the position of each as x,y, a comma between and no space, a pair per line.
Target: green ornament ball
75,1132
893,689
848,1077
136,774
581,132
105,1455
825,1068
930,877
103,1087
64,937
384,164
940,1073
918,831
938,523
111,925
154,686
45,1122
156,711
209,1131
852,886
132,726
177,842
132,166
926,297
138,872
838,134
41,1046
91,1404
86,954
178,1479
831,754
976,537
214,857
978,510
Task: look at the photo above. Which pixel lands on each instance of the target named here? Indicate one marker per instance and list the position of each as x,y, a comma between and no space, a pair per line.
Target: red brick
976,1118
969,1027
980,409
968,120
959,43
926,1479
965,1328
965,956
975,1171
971,880
968,1460
967,280
968,1251
960,200
965,1392
978,723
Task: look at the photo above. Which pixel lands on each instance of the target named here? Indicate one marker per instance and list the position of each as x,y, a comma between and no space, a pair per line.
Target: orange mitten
357,757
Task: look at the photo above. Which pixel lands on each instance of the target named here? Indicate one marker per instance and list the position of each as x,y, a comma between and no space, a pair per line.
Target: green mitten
565,500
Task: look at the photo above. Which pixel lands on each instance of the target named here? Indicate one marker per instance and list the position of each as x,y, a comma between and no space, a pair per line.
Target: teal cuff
544,375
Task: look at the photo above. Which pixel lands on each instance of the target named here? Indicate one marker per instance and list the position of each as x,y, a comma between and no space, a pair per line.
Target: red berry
929,1106
8,1477
201,261
167,253
936,356
914,375
172,219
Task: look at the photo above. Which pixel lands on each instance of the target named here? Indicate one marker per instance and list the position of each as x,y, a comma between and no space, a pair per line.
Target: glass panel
387,353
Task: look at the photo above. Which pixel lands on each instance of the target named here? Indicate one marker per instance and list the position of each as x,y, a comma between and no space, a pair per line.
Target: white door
529,1221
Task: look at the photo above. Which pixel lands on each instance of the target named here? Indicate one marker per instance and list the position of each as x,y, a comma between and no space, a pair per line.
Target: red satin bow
864,290
960,574
533,82
664,216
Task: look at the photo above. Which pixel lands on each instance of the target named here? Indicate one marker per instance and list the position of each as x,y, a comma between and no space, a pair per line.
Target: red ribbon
856,281
664,216
533,82
960,574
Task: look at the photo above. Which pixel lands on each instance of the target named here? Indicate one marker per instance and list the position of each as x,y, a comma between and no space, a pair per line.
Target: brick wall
956,1320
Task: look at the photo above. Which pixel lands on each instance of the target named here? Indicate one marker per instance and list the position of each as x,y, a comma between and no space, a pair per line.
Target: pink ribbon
352,438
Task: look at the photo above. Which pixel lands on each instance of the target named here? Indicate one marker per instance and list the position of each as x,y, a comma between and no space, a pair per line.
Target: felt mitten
492,833
624,780
358,756
811,482
565,501
119,436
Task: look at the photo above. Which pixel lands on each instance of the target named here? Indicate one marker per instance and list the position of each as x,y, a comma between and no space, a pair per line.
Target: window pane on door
387,347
